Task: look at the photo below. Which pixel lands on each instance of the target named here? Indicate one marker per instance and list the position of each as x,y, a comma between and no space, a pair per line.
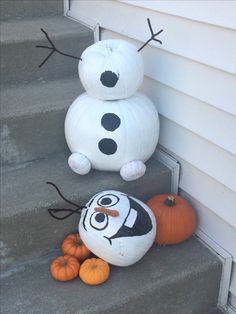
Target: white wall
191,79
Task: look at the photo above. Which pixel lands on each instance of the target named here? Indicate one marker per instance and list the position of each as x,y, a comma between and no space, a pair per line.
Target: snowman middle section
111,134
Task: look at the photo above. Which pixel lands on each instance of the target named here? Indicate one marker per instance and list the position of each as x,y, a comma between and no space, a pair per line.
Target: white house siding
191,79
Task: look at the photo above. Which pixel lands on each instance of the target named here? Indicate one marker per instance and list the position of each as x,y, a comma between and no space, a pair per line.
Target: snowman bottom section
112,133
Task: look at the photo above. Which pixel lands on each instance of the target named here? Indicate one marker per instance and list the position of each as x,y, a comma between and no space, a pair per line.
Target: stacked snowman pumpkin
111,126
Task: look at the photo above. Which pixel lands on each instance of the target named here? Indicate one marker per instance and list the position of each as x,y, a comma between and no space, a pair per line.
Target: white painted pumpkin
117,227
117,135
111,69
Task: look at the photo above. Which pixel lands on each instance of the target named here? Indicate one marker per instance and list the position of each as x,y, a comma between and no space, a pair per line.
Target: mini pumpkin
94,271
176,219
65,268
74,246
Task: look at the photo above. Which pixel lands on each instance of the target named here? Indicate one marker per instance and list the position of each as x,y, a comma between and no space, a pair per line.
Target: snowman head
111,69
117,227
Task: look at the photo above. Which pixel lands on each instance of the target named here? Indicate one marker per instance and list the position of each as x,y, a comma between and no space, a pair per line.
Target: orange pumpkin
65,268
94,271
73,245
176,219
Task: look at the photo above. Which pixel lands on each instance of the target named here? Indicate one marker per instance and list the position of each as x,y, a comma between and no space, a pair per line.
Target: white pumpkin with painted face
111,69
117,227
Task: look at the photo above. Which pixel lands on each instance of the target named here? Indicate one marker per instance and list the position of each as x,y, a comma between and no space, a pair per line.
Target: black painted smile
142,224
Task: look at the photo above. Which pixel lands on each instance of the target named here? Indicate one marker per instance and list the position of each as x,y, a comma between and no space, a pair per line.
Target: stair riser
37,233
29,8
20,60
32,137
195,294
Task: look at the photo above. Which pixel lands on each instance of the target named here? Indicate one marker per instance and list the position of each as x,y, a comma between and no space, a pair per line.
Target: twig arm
53,49
153,36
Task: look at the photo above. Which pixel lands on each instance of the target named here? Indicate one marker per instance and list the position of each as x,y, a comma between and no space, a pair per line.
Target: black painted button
110,121
109,79
107,146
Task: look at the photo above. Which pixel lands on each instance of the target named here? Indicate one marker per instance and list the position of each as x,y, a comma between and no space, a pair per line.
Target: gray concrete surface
218,311
181,279
32,119
18,9
20,58
26,197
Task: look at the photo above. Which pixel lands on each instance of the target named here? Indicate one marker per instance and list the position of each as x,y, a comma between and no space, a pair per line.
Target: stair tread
29,29
34,193
22,36
24,8
40,96
173,279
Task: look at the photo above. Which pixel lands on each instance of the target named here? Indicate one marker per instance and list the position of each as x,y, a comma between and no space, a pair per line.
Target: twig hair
52,211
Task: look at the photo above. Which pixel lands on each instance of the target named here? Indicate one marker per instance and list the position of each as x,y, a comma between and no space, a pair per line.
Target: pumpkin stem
170,201
64,263
79,242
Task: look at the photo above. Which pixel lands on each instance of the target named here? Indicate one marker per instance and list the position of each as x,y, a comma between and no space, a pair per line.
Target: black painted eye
108,200
100,217
99,221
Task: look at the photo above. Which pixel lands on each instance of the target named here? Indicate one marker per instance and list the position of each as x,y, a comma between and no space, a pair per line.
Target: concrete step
27,229
20,58
18,9
219,311
32,119
180,279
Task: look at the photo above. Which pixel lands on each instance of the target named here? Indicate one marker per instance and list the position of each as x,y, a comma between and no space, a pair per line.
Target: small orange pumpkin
65,268
94,271
73,245
176,219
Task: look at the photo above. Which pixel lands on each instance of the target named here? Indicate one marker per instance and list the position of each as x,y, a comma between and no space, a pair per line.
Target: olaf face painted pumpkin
117,227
